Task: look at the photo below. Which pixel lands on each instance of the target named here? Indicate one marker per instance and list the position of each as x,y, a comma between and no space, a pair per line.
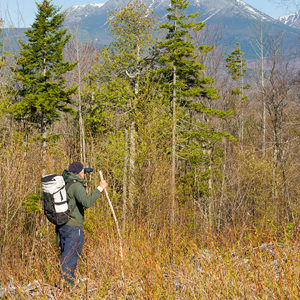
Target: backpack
56,203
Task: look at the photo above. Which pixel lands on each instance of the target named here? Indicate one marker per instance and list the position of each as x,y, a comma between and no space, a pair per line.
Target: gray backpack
56,204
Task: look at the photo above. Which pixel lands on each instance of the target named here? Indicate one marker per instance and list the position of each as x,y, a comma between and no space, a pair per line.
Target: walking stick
117,224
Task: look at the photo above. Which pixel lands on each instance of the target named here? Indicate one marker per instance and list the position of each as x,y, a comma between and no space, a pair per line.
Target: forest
200,149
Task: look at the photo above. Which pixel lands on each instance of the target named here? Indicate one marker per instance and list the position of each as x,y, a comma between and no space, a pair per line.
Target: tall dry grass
241,261
245,269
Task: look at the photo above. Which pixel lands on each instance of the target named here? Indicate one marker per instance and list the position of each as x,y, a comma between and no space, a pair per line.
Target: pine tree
236,66
184,81
42,93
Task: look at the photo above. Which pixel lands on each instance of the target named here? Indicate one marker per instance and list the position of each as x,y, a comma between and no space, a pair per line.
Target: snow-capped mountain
207,9
292,20
77,13
238,21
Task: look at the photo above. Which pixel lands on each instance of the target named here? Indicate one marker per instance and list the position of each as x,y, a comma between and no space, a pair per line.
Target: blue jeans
71,242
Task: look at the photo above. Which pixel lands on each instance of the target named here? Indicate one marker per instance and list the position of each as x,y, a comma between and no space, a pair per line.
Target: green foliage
114,81
179,52
131,27
32,203
41,92
236,66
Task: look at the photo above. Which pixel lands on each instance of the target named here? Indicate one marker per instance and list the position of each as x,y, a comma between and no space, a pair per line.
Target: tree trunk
262,89
81,122
125,181
173,166
223,181
210,197
131,165
132,150
242,112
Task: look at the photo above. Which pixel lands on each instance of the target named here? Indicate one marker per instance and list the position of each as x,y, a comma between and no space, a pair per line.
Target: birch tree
115,84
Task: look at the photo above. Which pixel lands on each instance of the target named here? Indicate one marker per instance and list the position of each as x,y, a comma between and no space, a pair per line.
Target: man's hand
103,184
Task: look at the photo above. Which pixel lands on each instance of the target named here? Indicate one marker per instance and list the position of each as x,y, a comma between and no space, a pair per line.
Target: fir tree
236,66
185,83
42,93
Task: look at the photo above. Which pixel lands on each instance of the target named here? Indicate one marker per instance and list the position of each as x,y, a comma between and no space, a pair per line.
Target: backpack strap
68,184
57,237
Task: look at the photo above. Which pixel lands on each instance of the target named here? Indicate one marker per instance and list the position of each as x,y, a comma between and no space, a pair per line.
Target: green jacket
78,198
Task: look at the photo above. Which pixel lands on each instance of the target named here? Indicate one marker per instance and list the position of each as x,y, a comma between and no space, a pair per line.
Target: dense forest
201,154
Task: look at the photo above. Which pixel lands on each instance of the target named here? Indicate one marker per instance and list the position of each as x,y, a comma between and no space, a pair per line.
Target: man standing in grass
71,234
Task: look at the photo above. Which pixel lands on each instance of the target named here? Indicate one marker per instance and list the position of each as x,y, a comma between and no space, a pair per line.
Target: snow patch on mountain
292,20
77,13
252,11
83,6
212,15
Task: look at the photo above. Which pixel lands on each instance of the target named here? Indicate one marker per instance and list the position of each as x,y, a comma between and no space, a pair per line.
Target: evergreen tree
42,93
184,81
236,66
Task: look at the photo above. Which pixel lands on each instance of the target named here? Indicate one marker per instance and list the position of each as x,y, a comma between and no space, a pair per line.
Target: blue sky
21,13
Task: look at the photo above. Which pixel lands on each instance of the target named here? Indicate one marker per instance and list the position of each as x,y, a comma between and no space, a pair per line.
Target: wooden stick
117,224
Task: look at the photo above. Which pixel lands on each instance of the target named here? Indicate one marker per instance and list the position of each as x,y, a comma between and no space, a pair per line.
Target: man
71,233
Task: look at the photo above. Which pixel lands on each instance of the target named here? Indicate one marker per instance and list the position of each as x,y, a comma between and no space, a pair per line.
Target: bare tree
83,54
278,93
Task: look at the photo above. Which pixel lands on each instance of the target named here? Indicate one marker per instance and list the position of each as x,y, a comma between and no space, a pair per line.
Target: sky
21,13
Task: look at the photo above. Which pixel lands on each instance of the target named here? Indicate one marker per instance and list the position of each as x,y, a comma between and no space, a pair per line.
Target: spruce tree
236,66
41,88
184,81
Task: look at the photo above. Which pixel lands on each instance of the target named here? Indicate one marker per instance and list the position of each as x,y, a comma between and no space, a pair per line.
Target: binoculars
88,170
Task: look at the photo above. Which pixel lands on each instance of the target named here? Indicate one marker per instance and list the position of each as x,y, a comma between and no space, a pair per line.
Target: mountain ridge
237,19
